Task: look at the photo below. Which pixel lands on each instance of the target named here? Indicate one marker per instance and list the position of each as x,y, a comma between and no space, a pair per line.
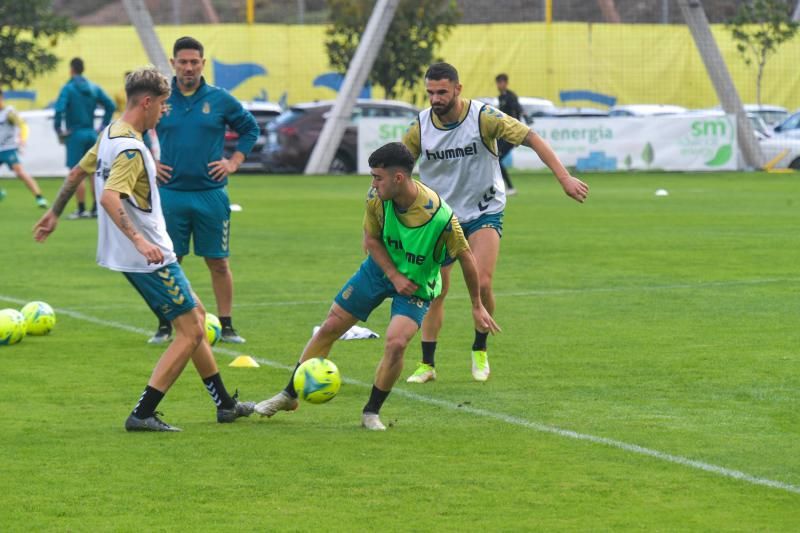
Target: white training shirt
115,250
457,164
8,131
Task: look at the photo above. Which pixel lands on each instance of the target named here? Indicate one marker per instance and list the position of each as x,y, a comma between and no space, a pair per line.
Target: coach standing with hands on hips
193,173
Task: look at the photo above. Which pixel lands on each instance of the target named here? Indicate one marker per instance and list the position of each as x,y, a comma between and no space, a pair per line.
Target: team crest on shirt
206,108
493,111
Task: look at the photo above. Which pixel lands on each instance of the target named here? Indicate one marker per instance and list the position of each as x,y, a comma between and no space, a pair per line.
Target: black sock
38,196
147,403
376,399
290,387
480,341
216,389
163,323
225,322
94,207
81,207
428,351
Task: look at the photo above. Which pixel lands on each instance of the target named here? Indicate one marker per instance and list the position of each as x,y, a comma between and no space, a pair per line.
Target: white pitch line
502,417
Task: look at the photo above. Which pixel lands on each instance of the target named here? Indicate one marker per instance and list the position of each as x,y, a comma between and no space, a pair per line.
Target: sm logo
709,128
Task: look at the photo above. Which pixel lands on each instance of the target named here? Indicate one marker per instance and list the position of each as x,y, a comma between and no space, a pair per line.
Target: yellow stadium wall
635,63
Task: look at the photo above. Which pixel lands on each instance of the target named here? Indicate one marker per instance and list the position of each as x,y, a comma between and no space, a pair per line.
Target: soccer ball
39,318
213,329
317,380
12,326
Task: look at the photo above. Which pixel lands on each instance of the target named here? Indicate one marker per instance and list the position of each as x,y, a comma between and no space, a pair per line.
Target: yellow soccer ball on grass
12,327
317,380
40,319
213,329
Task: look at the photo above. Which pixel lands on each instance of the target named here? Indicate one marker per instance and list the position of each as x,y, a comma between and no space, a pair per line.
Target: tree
418,28
759,28
29,31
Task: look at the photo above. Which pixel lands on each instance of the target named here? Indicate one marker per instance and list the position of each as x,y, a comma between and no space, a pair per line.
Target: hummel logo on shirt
452,153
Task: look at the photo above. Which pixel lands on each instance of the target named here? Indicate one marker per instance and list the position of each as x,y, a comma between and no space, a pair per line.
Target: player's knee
193,332
197,333
218,266
395,348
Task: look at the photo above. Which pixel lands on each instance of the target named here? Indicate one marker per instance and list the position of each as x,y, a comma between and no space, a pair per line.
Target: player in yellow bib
455,141
408,232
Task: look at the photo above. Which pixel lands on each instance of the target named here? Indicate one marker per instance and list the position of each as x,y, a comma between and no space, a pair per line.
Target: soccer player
408,232
194,175
75,108
132,239
456,142
10,122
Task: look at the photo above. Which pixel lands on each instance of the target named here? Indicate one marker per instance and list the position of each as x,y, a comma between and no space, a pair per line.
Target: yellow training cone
244,361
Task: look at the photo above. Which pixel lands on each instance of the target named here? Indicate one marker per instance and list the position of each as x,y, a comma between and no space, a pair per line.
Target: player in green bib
413,249
408,232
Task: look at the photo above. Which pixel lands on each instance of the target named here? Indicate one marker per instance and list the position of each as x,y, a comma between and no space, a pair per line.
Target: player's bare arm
112,203
483,320
377,251
224,167
573,187
47,224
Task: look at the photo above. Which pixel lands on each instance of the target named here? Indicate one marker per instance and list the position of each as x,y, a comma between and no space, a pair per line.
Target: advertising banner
374,133
674,142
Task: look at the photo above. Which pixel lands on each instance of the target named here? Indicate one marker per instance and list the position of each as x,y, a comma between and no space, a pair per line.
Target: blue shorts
369,287
491,220
204,216
166,291
9,157
78,143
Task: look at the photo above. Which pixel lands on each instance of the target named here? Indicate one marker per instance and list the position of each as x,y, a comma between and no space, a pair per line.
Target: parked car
572,112
790,126
264,113
292,136
774,144
645,110
771,114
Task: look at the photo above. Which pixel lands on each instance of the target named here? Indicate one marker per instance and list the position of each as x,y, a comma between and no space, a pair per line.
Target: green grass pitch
647,376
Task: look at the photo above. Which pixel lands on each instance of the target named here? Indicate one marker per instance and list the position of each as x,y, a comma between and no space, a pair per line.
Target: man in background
75,111
193,174
508,103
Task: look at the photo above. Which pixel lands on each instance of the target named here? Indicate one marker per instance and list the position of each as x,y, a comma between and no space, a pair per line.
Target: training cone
244,361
